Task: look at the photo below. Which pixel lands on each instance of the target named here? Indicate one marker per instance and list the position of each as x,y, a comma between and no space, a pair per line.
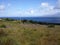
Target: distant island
29,21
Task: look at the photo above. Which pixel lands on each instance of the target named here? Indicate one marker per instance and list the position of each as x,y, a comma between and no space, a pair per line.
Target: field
18,33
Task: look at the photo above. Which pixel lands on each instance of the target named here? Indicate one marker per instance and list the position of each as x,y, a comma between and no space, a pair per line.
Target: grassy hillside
18,33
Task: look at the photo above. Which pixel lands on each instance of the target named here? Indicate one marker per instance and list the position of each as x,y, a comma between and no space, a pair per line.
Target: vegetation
2,26
28,33
8,19
51,25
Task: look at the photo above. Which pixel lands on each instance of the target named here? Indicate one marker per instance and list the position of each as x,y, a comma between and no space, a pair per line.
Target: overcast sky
28,8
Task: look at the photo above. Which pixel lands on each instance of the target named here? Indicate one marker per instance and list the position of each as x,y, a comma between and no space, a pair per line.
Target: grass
18,33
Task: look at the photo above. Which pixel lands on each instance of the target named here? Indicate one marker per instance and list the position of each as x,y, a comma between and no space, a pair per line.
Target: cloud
2,8
9,4
44,4
48,10
57,4
30,11
44,10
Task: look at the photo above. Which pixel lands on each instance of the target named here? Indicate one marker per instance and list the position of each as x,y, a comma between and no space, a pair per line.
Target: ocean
39,19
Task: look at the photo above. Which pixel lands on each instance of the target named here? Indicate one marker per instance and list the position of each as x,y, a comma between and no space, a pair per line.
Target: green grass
18,33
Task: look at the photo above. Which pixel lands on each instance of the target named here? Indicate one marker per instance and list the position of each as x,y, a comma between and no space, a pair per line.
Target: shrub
33,22
2,33
51,25
8,19
2,26
34,29
23,21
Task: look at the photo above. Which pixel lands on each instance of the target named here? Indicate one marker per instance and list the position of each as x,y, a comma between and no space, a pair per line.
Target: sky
29,8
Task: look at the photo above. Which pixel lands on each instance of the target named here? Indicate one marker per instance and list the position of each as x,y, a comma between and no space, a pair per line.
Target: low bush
51,26
2,33
23,21
8,19
2,26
